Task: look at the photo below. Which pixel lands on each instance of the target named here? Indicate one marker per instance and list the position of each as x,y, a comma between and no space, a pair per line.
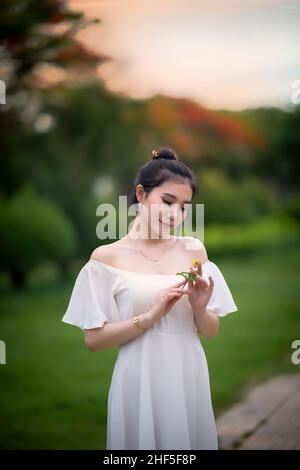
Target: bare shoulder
194,248
105,253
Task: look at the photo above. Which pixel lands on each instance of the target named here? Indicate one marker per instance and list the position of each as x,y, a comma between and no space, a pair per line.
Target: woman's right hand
166,299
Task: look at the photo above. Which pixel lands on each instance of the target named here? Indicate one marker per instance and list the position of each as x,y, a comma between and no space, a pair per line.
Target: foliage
267,233
33,230
220,194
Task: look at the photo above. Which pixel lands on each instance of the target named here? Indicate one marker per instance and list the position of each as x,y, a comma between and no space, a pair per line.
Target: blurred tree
66,138
220,195
94,138
278,164
37,42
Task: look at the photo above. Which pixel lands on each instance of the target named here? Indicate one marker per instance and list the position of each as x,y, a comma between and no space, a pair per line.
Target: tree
37,39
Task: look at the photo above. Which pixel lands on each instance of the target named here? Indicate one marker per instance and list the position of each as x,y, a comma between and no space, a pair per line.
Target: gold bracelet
136,321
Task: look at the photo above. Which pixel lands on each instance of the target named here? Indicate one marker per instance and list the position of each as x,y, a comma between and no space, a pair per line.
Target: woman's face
166,206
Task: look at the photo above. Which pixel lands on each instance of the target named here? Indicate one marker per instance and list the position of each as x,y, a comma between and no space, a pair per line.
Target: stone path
267,418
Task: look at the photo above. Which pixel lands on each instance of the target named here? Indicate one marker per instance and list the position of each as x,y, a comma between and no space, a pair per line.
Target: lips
167,225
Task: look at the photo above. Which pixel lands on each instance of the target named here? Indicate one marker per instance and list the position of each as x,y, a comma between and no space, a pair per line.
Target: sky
224,54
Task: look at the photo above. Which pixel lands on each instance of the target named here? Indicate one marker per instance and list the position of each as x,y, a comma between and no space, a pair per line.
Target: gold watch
136,321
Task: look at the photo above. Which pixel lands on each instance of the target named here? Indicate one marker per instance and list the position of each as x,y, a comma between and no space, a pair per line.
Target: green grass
54,391
254,343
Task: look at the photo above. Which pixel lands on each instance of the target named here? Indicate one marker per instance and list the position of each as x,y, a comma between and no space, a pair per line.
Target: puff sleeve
92,302
221,301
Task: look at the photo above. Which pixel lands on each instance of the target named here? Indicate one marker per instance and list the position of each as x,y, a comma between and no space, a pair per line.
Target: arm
119,332
207,322
116,333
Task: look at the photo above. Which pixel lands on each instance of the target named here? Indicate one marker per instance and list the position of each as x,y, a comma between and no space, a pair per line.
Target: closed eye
170,204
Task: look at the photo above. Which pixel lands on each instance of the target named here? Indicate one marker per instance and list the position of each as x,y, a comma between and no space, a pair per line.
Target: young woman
128,295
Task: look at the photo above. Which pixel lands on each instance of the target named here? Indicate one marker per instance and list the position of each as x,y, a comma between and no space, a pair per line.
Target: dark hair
164,165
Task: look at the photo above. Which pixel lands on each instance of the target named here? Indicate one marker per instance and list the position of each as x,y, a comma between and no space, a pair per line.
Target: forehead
181,189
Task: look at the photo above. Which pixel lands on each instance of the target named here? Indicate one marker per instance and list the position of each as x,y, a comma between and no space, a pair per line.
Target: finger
176,293
190,282
198,281
171,295
174,296
200,269
211,283
182,291
185,282
174,299
178,284
201,282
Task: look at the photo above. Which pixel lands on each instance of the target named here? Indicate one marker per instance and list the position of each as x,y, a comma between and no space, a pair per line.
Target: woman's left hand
201,291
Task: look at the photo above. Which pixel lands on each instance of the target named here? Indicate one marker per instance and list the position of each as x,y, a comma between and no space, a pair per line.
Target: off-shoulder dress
159,396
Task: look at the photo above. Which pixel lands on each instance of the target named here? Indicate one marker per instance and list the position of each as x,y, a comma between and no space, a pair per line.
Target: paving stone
265,403
281,431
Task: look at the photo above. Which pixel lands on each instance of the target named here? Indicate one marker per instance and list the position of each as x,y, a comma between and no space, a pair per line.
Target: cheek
165,212
154,209
157,207
177,214
180,216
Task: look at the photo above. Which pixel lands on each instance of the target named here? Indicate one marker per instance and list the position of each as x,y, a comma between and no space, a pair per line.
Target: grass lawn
54,391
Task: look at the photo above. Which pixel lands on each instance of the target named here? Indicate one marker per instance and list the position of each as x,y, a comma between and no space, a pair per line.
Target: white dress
159,397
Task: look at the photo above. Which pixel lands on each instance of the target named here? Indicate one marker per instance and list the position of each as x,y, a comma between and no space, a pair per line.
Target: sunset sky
222,53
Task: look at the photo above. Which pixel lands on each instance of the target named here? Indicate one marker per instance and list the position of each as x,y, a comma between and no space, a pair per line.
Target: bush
265,234
33,230
293,206
226,201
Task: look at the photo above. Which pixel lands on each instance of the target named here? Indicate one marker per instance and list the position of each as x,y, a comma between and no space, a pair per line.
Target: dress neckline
133,272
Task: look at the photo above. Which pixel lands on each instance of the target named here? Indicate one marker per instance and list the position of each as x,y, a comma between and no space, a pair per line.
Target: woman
129,296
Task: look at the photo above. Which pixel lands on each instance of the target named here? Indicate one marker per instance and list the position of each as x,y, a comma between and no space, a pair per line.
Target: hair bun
165,152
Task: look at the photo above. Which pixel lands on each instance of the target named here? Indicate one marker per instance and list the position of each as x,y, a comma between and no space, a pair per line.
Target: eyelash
170,203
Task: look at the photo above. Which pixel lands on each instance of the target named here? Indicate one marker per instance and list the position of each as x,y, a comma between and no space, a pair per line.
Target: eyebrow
174,197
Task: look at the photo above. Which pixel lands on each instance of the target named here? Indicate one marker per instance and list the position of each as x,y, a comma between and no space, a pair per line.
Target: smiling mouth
167,225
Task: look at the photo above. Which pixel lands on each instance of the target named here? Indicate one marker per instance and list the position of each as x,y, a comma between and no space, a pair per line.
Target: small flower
188,275
196,262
